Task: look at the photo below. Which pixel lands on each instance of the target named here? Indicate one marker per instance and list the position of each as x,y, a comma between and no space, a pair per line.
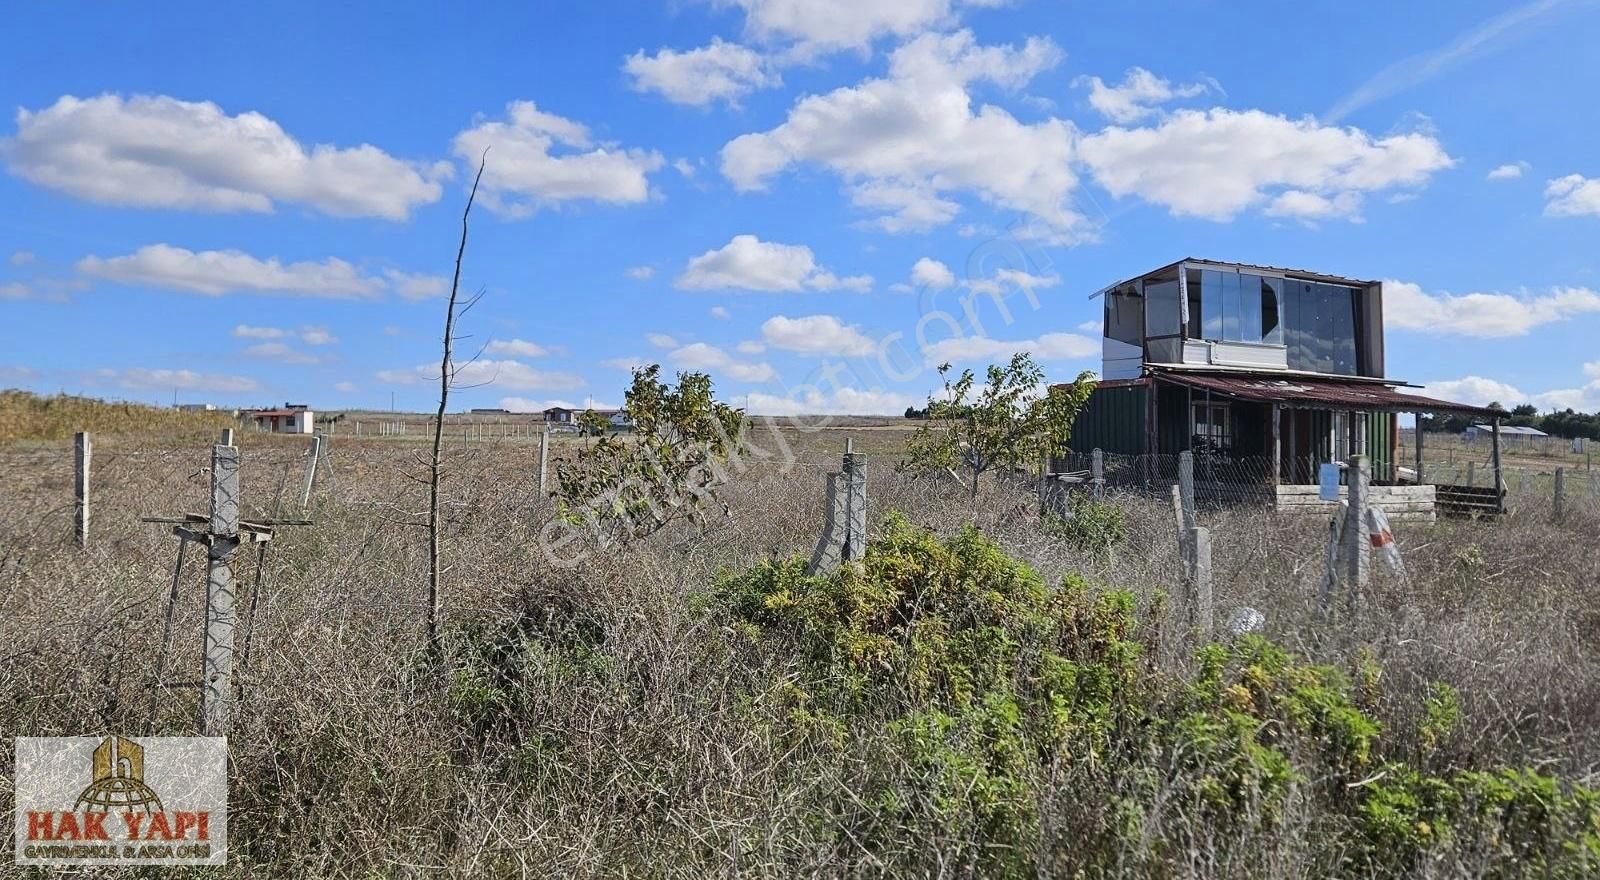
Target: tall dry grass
600,720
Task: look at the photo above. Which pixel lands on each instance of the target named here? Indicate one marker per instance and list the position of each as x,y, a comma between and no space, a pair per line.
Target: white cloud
317,336
160,152
1216,163
641,273
748,263
280,352
933,274
1309,206
701,356
1474,390
502,373
522,175
720,313
346,387
247,331
1097,326
817,334
818,26
720,71
524,405
517,348
1511,171
750,346
661,340
1407,306
1572,196
905,142
627,363
141,379
1048,347
1139,95
1016,278
20,258
416,287
841,401
215,273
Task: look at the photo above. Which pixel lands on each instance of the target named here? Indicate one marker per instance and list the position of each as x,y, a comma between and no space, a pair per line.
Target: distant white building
196,407
1508,433
289,420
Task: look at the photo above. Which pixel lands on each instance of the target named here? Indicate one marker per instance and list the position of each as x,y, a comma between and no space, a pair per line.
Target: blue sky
813,200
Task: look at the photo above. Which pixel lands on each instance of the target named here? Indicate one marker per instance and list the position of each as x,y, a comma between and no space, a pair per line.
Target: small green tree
666,470
1007,423
592,424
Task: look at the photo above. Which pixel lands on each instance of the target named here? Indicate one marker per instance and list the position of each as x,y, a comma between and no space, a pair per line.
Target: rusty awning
1303,392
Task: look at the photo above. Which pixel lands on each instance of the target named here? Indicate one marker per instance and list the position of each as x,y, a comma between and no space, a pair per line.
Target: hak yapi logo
119,815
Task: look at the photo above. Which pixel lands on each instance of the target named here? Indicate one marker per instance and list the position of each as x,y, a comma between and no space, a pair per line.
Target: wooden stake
217,674
1561,480
1418,433
1499,476
311,470
82,449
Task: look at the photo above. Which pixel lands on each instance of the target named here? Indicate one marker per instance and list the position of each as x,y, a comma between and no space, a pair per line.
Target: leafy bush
997,690
1088,524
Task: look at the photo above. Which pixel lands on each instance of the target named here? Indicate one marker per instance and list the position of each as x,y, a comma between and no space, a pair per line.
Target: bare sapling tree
1006,424
446,379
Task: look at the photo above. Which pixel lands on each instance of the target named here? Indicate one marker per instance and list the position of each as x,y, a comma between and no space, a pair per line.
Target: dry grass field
629,716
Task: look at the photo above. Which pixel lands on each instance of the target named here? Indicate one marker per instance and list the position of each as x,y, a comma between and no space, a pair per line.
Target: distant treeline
1566,423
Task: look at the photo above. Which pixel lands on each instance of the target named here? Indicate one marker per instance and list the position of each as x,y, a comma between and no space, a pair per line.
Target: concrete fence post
217,675
1202,607
227,436
1097,473
82,449
544,456
854,545
1186,488
1356,533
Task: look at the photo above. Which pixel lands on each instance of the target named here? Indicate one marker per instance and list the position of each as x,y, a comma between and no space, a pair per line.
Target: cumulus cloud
702,356
748,263
817,334
517,348
346,387
511,374
719,312
247,331
524,173
215,273
1475,390
932,274
1408,306
142,379
1572,196
630,363
906,142
1510,171
160,152
20,258
641,273
317,336
719,71
1047,347
281,352
1216,163
1140,94
839,401
313,335
817,26
414,286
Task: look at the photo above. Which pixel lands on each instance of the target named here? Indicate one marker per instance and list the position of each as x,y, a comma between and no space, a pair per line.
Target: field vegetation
992,693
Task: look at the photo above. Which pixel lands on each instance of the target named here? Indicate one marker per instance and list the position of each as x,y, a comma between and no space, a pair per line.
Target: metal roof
1523,430
1305,274
1320,393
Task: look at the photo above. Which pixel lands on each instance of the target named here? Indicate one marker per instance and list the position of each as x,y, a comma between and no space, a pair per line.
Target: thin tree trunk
438,424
